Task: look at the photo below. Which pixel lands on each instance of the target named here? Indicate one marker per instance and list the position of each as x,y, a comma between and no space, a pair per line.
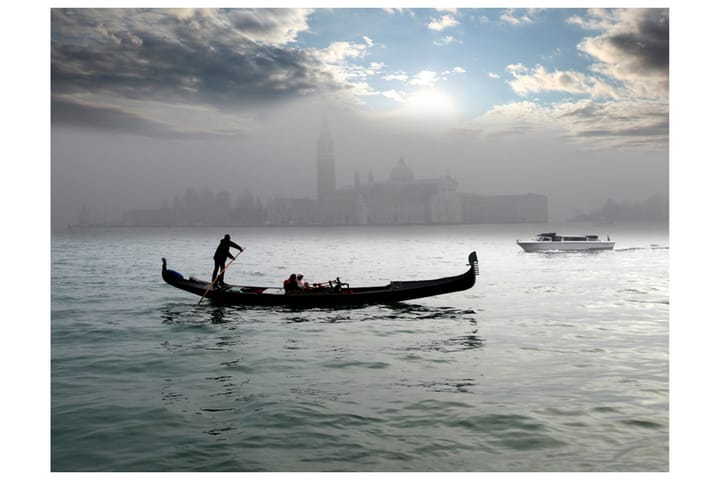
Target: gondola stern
473,262
170,276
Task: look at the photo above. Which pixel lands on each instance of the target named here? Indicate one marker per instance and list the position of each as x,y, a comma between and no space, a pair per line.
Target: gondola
334,293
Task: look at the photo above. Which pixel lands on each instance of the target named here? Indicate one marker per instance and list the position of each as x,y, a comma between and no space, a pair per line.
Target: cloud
395,95
512,17
440,24
271,26
493,75
599,125
339,52
446,40
196,56
633,47
351,78
73,112
425,78
526,81
221,59
428,78
398,76
621,101
627,123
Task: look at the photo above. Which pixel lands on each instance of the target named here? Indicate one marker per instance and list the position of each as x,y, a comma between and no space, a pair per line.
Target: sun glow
430,104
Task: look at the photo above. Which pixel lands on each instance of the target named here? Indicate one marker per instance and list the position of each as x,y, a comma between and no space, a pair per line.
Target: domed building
401,172
404,200
400,200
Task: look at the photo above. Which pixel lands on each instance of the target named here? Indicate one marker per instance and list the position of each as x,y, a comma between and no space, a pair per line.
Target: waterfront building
400,200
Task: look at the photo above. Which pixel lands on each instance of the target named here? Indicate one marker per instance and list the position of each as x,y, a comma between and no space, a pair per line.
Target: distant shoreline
111,226
274,225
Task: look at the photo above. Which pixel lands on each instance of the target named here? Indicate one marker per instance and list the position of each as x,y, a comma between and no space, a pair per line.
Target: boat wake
635,249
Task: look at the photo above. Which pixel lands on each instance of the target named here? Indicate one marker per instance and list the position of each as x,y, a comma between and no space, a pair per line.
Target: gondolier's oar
219,275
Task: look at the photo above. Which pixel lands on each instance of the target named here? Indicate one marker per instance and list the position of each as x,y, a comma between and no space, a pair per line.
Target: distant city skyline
572,103
399,199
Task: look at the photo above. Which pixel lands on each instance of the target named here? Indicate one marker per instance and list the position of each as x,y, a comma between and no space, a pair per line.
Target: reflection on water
453,344
217,315
183,313
416,308
193,314
444,385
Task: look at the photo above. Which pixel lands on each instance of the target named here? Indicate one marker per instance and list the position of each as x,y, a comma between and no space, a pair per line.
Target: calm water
552,362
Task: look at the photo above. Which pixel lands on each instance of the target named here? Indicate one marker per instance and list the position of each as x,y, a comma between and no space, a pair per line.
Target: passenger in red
290,284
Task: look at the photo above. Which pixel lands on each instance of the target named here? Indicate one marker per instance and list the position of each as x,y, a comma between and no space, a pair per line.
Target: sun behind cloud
431,103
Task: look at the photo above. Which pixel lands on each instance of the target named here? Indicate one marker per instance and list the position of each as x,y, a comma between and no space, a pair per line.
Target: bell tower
325,162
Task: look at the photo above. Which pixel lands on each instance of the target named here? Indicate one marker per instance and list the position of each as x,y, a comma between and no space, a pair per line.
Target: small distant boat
336,293
544,242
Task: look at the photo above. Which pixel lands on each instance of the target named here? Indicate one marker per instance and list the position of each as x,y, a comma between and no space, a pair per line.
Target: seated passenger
302,284
290,284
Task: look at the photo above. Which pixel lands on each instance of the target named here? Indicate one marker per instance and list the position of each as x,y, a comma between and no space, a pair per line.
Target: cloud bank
622,101
214,58
124,70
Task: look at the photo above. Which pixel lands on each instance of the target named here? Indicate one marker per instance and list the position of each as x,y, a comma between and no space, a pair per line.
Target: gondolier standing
222,253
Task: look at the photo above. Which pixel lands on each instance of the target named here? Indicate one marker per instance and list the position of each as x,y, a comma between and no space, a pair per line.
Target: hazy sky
146,103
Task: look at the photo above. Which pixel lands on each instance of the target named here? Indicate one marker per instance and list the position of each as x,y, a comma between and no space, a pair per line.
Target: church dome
401,172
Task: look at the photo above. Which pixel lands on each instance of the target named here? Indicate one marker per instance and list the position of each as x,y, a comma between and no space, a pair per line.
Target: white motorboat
544,242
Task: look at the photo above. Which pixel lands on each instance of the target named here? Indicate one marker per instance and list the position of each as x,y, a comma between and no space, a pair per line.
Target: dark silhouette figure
222,253
290,284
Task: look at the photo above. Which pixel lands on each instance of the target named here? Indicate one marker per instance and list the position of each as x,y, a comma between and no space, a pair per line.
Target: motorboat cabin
552,241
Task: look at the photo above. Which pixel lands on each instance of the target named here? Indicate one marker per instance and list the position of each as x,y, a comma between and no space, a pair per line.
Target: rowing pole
219,275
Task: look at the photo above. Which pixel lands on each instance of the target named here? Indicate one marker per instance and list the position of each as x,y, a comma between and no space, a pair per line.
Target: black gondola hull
325,297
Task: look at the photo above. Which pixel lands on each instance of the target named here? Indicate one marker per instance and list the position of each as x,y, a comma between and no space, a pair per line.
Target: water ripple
550,363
